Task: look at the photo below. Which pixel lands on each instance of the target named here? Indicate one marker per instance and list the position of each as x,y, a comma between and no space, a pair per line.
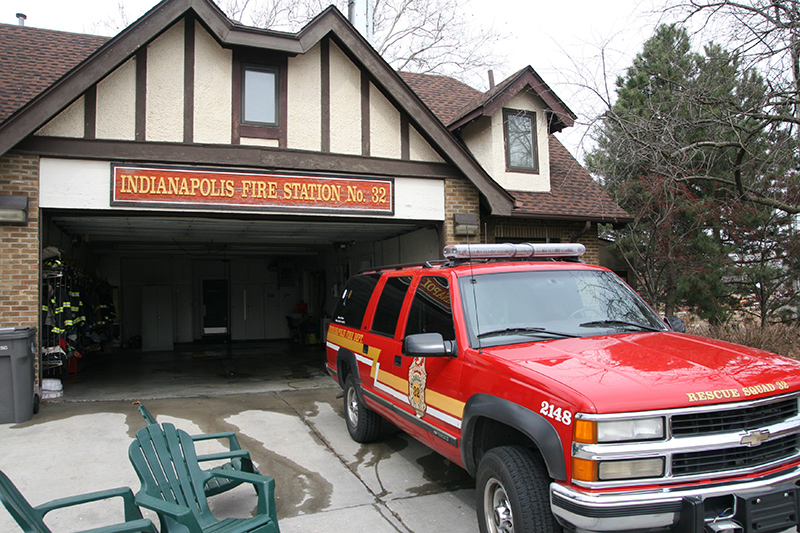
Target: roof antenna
21,19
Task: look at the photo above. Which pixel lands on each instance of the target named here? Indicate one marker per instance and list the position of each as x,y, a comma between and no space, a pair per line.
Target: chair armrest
181,514
233,442
233,454
265,488
149,418
131,510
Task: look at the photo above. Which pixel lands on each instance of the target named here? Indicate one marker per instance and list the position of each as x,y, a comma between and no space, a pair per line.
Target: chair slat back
18,507
166,463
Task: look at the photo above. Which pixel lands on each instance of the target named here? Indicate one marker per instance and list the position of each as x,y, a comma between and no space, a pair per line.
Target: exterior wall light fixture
465,224
13,210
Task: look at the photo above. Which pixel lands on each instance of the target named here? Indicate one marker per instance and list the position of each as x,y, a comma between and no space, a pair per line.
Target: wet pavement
284,409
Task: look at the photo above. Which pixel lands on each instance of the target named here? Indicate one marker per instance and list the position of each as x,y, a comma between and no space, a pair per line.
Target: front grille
726,421
693,463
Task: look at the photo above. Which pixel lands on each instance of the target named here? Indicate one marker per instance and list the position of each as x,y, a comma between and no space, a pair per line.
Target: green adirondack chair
172,485
239,459
31,519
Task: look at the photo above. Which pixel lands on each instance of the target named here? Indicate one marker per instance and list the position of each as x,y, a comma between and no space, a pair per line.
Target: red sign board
179,187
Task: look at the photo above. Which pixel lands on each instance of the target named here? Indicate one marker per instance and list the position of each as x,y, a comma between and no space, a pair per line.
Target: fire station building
192,177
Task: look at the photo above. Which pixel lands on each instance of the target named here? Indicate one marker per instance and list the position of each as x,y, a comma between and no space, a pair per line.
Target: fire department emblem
417,376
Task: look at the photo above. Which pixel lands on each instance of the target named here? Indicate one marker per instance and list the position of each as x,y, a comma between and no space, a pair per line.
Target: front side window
520,140
259,96
431,311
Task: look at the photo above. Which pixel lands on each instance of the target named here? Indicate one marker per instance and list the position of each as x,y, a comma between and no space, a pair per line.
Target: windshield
516,307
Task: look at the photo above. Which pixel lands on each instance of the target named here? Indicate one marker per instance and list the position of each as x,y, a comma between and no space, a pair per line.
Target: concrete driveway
324,481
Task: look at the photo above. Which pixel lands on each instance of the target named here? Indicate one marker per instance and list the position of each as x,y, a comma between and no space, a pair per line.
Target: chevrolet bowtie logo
755,438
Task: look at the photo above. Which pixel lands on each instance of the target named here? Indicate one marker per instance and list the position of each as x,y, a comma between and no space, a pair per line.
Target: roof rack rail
403,266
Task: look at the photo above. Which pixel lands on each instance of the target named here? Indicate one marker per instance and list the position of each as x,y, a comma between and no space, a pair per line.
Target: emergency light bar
516,251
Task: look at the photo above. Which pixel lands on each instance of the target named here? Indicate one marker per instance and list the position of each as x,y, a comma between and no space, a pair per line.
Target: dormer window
519,128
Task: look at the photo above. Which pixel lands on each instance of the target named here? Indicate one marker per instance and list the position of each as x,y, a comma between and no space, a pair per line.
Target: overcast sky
560,40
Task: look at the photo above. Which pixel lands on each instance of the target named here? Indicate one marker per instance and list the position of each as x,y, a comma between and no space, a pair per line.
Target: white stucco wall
384,126
165,67
485,140
345,104
68,123
419,149
212,90
253,141
116,104
304,101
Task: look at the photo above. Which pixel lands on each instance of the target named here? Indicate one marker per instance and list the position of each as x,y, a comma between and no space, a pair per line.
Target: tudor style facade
219,179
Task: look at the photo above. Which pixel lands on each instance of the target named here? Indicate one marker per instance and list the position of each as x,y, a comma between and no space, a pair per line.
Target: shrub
782,339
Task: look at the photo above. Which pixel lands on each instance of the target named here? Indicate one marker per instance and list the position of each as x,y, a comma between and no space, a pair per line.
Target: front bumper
684,509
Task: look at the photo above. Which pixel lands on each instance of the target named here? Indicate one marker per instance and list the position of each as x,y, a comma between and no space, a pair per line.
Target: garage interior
201,298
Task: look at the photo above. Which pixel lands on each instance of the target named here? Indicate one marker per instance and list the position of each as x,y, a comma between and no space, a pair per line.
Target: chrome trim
600,509
672,445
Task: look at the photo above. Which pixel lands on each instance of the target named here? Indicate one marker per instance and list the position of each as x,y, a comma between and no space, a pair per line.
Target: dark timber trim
90,113
365,120
188,79
141,94
261,157
405,138
325,90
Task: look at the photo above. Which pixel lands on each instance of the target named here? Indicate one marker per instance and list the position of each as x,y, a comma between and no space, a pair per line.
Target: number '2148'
551,411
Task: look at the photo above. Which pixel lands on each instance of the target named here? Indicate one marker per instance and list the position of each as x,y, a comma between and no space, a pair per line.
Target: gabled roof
574,195
54,54
493,100
69,87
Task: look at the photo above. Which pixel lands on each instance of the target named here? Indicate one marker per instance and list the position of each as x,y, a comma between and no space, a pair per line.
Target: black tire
363,423
513,494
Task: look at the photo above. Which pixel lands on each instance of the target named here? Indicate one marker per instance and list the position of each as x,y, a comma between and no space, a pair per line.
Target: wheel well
344,366
490,433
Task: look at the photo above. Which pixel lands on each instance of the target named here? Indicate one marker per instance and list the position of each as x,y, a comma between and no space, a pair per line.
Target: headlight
634,469
630,430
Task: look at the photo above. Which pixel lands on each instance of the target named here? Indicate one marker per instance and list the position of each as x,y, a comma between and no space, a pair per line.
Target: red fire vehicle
569,400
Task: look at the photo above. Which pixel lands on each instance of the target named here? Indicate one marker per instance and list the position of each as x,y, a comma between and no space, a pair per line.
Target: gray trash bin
17,352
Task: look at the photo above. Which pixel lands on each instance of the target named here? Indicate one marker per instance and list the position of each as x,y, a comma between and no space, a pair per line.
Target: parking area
291,422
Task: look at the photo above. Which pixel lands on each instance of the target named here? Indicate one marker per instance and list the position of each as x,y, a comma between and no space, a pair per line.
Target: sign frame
220,189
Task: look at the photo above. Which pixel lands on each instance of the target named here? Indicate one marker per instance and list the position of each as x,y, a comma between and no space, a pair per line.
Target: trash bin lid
17,332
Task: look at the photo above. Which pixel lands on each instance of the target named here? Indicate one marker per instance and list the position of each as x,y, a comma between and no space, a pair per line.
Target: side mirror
676,324
428,345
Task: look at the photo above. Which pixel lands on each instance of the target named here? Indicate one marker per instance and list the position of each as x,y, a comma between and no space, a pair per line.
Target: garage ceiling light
13,210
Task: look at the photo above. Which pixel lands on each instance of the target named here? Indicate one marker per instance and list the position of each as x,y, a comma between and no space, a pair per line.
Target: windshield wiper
601,323
528,331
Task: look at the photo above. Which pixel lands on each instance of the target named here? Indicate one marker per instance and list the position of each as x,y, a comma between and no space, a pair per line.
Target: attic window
259,96
519,129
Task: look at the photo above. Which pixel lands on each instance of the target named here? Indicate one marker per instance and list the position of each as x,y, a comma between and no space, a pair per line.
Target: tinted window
388,311
353,304
259,100
431,311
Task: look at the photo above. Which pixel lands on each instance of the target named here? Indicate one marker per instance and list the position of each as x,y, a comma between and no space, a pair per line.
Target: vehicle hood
638,371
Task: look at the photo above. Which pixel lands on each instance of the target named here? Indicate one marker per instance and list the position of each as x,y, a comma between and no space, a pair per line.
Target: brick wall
460,196
19,245
503,230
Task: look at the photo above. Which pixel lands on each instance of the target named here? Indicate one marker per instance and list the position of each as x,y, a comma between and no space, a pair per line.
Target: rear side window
431,311
388,311
354,301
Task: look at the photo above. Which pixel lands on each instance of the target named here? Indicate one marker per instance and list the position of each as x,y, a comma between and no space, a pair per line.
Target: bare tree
424,36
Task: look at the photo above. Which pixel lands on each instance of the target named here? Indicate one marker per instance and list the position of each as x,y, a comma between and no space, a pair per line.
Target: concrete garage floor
283,406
